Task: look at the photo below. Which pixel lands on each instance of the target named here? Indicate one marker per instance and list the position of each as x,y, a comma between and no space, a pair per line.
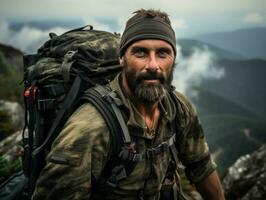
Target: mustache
151,76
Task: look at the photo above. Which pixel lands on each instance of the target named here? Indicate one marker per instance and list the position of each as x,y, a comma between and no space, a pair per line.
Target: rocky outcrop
15,112
10,156
13,55
246,179
11,147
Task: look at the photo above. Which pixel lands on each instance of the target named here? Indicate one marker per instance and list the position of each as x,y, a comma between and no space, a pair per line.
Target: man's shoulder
85,124
184,103
86,113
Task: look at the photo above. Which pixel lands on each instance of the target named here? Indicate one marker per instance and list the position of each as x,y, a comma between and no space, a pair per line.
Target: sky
189,18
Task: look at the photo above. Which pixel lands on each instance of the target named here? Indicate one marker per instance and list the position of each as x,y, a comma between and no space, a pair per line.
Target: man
80,152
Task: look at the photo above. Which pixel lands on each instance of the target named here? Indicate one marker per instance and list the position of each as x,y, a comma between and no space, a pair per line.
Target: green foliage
10,79
8,168
6,127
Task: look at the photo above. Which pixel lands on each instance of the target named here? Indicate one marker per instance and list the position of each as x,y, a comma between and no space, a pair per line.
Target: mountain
212,103
243,83
233,110
251,43
13,56
189,45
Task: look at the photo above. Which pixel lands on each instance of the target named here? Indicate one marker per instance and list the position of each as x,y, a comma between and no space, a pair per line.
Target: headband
147,28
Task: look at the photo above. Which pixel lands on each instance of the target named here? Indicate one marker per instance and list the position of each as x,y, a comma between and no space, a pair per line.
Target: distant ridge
12,55
250,42
189,45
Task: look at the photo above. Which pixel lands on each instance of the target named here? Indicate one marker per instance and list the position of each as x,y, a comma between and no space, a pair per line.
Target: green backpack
55,79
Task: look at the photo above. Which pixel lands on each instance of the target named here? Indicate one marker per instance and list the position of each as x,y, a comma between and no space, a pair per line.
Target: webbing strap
55,90
95,97
69,100
66,65
120,118
80,29
174,154
111,97
149,153
118,173
113,171
175,127
46,104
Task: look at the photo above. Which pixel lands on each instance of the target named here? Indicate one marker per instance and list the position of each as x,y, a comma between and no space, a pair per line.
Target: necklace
150,126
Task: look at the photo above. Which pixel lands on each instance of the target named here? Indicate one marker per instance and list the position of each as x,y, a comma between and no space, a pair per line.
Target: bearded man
147,52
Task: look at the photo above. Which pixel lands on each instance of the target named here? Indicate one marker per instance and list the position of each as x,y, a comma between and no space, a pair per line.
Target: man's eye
139,53
163,54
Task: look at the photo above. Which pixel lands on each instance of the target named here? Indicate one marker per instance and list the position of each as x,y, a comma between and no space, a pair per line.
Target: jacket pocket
66,158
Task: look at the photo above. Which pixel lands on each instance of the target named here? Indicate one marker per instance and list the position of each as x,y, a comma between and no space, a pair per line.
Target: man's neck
149,111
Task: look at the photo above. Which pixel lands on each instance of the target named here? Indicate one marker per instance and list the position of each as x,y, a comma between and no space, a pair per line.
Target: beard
148,92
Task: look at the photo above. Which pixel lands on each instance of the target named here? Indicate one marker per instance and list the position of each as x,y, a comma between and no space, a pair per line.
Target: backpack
66,71
54,79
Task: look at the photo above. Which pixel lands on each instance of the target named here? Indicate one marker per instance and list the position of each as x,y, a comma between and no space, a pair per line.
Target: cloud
191,71
27,39
178,23
253,18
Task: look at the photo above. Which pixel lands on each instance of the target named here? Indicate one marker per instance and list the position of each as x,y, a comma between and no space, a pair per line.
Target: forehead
151,44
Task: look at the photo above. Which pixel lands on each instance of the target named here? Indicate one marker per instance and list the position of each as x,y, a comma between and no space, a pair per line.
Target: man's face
148,69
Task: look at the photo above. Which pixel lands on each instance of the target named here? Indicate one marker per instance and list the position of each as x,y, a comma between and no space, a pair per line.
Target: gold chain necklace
151,130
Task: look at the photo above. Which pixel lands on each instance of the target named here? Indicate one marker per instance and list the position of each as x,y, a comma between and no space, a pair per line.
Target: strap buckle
32,92
117,174
46,104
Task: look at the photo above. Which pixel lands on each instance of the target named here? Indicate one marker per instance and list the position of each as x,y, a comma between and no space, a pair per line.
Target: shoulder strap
96,97
175,127
115,169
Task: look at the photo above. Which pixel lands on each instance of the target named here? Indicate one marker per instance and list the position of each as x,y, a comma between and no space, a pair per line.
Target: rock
15,111
11,147
246,179
10,156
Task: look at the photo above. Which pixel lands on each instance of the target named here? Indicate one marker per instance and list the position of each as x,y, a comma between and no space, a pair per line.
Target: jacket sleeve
192,145
79,152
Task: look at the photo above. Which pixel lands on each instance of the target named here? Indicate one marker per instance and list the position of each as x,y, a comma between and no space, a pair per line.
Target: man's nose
152,63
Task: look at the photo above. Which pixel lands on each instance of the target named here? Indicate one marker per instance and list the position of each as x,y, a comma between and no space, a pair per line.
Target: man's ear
122,60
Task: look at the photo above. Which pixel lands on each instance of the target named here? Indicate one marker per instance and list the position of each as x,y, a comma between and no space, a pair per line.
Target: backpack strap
115,102
116,169
32,163
80,29
68,104
177,189
176,129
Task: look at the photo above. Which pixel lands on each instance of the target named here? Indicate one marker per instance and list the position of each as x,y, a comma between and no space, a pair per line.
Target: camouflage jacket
81,151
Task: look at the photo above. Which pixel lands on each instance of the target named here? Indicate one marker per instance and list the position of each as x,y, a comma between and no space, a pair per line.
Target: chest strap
149,153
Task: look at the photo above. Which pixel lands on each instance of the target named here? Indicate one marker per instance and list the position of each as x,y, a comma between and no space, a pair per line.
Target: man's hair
147,24
150,13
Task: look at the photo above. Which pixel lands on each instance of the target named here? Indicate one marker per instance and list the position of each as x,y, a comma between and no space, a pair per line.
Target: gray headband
147,29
